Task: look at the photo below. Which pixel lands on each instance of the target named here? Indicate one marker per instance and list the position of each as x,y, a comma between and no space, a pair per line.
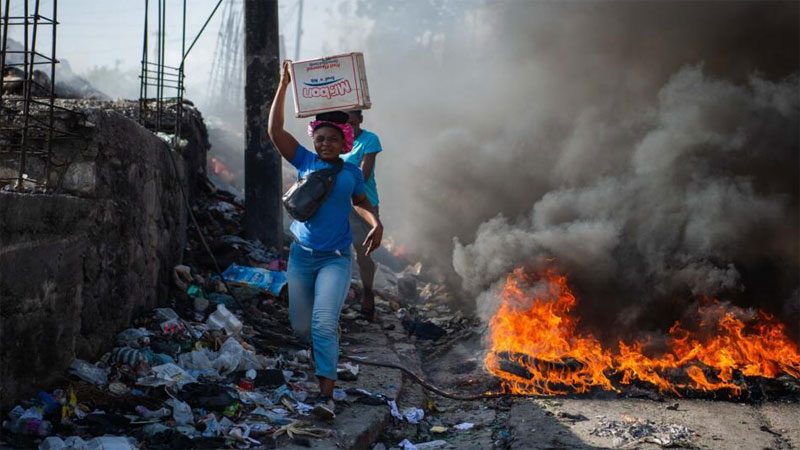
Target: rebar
3,50
163,77
31,132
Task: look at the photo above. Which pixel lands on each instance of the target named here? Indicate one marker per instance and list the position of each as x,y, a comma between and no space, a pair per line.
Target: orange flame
536,347
397,249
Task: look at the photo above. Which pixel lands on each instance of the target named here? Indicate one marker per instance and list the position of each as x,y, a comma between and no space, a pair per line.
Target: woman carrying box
320,259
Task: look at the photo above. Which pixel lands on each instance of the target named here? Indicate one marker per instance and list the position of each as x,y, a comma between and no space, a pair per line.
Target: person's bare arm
283,140
364,209
368,165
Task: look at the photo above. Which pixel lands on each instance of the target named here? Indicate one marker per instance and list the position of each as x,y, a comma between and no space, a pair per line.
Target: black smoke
648,149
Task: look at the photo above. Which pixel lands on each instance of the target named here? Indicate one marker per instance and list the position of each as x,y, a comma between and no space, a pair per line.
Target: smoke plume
647,149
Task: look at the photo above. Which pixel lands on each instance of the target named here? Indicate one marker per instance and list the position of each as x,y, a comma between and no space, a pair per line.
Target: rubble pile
426,308
632,431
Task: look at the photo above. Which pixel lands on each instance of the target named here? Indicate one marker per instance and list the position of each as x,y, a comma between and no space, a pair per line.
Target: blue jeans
318,285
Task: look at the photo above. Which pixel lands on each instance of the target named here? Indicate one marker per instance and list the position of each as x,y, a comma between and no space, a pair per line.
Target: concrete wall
78,265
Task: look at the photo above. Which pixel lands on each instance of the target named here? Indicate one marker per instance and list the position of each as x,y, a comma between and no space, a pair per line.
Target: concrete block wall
78,265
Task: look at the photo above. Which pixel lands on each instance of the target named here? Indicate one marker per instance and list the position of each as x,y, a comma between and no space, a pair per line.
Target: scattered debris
770,430
632,431
407,445
572,417
347,371
413,415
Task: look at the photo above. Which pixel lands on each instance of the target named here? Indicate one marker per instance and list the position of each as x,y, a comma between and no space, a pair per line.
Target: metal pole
157,67
262,163
26,103
3,48
143,78
52,96
186,53
162,37
179,106
299,30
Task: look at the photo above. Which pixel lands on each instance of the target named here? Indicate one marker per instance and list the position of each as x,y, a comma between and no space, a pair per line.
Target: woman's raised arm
283,140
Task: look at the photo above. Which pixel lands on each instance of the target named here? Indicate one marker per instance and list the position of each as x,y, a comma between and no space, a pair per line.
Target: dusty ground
717,425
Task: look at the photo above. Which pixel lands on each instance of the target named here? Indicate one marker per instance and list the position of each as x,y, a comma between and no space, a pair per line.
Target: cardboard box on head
332,83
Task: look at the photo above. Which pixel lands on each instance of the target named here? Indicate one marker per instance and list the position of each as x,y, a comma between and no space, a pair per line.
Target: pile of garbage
218,366
195,375
184,377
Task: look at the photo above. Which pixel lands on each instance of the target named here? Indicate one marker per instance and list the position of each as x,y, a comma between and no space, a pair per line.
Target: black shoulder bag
304,198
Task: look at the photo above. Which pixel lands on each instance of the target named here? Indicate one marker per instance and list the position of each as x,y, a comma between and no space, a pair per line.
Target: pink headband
346,129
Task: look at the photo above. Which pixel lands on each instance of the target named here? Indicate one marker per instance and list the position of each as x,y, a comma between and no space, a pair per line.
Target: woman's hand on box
286,75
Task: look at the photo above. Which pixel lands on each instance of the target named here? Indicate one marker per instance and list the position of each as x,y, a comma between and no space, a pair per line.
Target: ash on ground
631,431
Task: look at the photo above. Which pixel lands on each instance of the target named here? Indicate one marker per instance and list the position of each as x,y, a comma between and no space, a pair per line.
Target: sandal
368,314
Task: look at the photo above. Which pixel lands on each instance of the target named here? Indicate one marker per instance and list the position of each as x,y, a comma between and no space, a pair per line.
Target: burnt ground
584,423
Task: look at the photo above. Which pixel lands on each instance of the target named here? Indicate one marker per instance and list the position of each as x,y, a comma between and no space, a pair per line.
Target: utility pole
299,30
262,163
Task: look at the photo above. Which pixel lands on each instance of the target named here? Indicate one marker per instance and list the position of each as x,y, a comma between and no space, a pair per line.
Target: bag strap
338,166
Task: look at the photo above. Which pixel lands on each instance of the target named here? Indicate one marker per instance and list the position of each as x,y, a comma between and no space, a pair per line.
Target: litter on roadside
271,281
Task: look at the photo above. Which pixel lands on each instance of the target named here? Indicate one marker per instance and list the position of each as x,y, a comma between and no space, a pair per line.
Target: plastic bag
181,412
110,443
230,355
413,415
165,314
253,361
157,414
167,374
268,280
212,426
182,276
172,326
75,443
88,372
196,360
134,338
52,443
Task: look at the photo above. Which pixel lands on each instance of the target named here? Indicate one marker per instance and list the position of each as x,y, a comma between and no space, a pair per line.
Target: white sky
109,32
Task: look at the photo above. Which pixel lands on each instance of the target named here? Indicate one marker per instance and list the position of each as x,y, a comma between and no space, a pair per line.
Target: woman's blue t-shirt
328,229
